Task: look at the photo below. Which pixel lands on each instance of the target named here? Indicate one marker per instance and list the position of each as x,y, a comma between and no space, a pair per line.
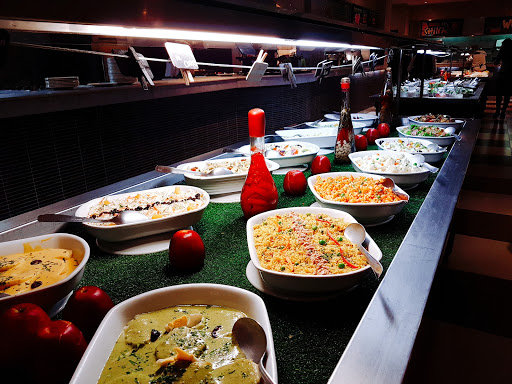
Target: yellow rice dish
306,244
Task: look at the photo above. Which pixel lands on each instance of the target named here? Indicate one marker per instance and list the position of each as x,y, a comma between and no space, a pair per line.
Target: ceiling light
167,34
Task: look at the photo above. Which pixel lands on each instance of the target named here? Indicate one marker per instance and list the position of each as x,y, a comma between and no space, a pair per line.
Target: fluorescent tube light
167,34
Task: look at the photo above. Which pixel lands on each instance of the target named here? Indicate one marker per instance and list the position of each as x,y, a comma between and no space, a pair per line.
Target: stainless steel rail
381,346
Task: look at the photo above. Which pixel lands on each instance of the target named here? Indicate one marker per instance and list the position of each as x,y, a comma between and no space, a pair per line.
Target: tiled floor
466,329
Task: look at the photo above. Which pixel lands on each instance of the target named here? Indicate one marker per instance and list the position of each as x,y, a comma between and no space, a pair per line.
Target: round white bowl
218,185
291,160
52,297
91,365
358,125
309,284
441,141
430,157
322,137
365,213
458,124
361,118
123,232
404,180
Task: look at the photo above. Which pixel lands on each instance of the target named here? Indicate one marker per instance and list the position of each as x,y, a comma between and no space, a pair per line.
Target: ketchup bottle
259,193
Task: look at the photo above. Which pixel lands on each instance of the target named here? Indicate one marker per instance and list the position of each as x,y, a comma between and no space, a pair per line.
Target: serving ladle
124,217
389,183
252,340
356,234
420,160
213,172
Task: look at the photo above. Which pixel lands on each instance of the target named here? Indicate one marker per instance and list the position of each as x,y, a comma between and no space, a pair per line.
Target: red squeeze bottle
259,193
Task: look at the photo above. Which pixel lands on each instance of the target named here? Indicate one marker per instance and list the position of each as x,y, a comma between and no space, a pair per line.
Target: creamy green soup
182,344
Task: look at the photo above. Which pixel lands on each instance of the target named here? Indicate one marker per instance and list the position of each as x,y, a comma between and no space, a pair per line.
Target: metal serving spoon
213,172
124,217
420,160
356,233
252,340
389,183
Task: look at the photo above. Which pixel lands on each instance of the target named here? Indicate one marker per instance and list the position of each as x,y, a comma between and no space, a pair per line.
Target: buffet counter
372,328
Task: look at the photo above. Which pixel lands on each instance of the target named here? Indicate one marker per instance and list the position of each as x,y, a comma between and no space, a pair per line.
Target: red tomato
294,183
186,252
18,328
361,142
384,130
371,135
60,348
320,164
87,308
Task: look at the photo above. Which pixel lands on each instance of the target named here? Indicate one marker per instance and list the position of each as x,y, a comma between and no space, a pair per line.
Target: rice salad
400,145
153,204
382,162
306,244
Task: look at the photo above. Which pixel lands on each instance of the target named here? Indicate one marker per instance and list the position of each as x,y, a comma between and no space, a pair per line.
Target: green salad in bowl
425,130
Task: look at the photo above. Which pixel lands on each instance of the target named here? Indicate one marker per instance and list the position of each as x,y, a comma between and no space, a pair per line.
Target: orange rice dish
350,189
306,244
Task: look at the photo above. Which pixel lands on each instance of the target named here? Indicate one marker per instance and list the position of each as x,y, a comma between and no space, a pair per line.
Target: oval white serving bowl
365,213
309,284
47,297
404,180
430,157
93,361
441,141
289,160
457,124
217,185
123,232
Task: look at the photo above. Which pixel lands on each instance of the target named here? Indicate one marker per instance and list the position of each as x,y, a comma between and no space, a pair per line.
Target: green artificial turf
309,337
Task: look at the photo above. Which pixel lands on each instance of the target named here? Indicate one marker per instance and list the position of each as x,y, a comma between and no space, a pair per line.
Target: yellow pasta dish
306,244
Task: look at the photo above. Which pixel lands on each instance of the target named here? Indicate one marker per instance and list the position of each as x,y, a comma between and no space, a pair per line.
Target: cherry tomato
86,309
361,142
320,164
186,252
371,135
19,325
60,347
294,183
384,130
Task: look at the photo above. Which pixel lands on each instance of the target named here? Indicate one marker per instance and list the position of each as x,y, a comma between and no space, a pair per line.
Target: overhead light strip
167,34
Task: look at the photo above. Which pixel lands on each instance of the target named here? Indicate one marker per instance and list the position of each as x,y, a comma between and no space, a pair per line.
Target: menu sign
498,25
442,27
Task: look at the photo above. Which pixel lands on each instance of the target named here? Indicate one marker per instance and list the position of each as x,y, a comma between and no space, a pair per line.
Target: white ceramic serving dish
441,141
430,157
123,232
290,160
309,284
404,180
323,137
91,365
358,125
53,297
360,118
217,185
365,213
458,124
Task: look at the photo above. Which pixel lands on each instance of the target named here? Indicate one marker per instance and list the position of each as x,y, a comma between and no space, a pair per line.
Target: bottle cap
256,122
345,84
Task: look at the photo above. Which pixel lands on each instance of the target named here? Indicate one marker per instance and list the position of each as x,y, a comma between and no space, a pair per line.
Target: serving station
319,337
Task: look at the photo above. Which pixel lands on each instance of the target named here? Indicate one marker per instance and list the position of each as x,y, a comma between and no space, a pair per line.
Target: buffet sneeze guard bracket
182,57
258,68
323,69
